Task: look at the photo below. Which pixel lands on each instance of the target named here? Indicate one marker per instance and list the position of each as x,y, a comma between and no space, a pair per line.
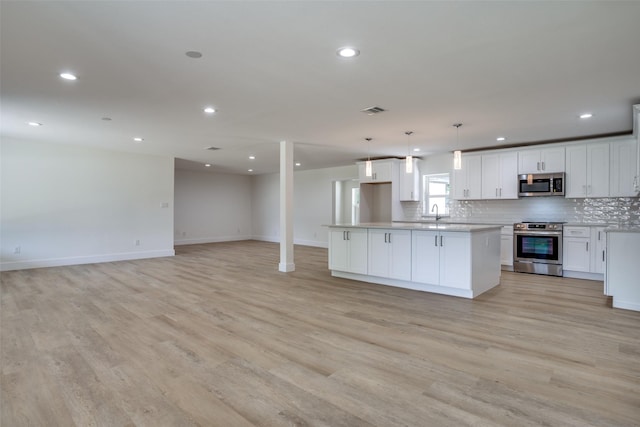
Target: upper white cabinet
587,170
499,175
466,181
546,160
390,253
382,171
409,183
623,168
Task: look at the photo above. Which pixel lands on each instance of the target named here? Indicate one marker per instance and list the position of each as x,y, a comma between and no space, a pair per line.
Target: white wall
64,205
211,207
312,202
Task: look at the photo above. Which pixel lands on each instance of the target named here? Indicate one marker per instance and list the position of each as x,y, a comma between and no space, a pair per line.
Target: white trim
89,259
626,305
202,240
583,275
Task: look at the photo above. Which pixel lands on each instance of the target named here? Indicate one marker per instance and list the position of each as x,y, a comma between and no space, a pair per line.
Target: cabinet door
491,176
599,248
357,238
400,254
598,170
410,184
459,181
552,160
474,176
506,249
338,249
529,161
455,260
379,252
575,254
508,176
383,171
623,168
362,176
425,257
576,164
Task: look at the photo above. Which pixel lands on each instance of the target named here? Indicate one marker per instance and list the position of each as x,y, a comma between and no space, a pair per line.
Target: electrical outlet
164,204
16,250
184,233
137,242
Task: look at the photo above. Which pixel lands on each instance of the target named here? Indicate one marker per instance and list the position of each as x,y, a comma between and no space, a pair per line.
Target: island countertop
465,228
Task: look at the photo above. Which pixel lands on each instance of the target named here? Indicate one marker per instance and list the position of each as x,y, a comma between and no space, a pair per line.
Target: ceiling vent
373,110
212,148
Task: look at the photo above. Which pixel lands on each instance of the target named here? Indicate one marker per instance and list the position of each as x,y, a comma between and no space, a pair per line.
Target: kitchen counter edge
465,228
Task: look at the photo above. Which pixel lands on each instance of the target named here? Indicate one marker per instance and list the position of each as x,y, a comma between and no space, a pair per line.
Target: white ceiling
523,70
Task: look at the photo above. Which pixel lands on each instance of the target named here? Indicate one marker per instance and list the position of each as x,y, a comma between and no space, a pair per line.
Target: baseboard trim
203,240
302,242
89,259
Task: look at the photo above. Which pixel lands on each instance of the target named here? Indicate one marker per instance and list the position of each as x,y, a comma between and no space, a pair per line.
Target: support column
286,207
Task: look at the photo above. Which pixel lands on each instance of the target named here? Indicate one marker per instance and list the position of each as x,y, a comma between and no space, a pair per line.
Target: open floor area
216,336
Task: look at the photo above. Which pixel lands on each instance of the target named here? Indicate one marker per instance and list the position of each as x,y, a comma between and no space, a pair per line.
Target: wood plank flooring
216,336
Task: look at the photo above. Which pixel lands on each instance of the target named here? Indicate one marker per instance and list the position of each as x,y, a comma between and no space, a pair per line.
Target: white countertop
615,229
422,226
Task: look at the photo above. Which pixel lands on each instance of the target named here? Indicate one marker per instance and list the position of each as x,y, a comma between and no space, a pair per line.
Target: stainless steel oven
537,248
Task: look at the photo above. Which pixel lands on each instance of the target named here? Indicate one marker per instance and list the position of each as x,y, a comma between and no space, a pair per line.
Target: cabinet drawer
577,232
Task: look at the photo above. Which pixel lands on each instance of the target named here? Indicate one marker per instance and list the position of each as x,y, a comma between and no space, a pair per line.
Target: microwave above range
541,184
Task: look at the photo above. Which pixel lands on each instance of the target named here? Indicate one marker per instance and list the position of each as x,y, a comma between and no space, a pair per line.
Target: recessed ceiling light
68,76
416,149
500,138
35,124
252,157
209,110
194,54
207,165
297,164
586,116
249,170
347,52
138,139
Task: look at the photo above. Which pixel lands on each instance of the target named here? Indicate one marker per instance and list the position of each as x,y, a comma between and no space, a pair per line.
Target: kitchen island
453,259
623,269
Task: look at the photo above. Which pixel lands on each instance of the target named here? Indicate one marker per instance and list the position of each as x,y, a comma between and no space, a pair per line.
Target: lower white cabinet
390,253
348,250
623,269
441,258
506,246
584,249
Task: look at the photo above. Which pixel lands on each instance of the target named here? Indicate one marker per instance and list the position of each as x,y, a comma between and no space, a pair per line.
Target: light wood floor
217,336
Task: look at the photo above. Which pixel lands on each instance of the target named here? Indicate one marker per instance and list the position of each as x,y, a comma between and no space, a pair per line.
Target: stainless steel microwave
541,184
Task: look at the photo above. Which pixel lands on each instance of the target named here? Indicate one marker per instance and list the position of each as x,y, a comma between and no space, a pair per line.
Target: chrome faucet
435,206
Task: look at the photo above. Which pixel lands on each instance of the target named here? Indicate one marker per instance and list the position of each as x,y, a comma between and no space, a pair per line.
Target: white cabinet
499,176
390,253
466,180
506,246
348,250
575,249
584,249
623,269
546,160
587,170
623,168
382,171
409,183
599,250
441,258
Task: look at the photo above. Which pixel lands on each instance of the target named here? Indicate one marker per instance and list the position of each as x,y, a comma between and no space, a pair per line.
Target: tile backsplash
622,211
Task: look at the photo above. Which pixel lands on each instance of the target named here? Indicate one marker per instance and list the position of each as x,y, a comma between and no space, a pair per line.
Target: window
436,192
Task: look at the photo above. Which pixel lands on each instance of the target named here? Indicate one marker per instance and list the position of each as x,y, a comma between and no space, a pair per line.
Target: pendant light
457,155
368,169
409,159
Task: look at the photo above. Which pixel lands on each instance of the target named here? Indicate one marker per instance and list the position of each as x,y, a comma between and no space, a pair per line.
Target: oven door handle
537,233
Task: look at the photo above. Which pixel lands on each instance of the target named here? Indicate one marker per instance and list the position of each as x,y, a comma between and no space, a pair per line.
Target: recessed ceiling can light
586,116
68,76
209,110
34,124
500,138
297,164
416,149
347,52
194,54
207,165
138,139
252,157
249,170
106,119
